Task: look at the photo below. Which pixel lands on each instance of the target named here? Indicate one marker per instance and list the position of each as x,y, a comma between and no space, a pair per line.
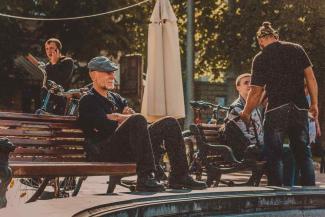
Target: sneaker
186,182
149,184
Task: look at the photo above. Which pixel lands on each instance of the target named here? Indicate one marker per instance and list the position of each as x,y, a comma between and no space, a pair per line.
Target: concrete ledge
221,201
288,213
245,200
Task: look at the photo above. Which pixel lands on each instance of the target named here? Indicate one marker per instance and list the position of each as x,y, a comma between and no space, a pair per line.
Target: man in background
59,67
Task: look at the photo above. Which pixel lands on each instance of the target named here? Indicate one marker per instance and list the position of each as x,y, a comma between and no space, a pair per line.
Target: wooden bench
215,159
53,146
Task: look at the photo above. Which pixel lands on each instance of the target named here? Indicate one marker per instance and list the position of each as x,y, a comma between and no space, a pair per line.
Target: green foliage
224,29
295,21
82,38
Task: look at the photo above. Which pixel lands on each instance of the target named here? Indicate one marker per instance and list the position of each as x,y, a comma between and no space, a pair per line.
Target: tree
82,38
224,39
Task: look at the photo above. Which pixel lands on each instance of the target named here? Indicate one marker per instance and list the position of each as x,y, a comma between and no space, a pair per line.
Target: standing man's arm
252,102
313,91
258,81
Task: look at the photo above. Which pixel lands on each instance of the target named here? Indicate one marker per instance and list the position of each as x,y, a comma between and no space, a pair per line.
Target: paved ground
92,193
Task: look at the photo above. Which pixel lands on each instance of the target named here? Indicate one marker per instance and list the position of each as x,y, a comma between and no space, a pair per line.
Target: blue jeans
289,167
292,121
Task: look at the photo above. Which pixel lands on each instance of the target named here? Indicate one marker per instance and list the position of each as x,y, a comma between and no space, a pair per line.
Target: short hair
266,30
242,76
56,41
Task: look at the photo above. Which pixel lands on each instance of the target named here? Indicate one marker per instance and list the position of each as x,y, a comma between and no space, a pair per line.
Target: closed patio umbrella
163,91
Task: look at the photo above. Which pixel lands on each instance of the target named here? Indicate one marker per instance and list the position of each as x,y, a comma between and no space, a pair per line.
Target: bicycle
209,156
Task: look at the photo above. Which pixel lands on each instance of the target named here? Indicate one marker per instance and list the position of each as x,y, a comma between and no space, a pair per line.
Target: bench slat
47,151
18,141
40,133
35,117
48,159
52,146
34,124
208,126
71,169
210,132
212,139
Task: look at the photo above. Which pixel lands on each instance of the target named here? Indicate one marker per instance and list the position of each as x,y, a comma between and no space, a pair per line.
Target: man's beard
105,87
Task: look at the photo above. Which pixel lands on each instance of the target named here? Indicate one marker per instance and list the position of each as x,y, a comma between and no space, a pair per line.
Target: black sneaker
186,182
149,183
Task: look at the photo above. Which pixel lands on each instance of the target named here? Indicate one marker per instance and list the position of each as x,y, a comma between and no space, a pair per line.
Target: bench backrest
205,132
43,137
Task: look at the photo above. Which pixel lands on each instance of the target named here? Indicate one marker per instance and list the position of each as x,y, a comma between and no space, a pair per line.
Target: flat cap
102,64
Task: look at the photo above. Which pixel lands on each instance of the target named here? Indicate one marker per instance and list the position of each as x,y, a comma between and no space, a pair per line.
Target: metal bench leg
5,177
40,190
259,174
78,185
56,187
217,179
116,180
113,181
213,174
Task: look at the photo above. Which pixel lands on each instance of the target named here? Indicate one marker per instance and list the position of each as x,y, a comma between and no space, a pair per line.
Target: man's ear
92,75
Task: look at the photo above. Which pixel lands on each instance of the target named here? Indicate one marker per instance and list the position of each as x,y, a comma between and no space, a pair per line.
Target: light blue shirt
312,125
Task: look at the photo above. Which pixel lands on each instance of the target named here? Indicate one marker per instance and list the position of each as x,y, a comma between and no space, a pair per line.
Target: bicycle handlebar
206,105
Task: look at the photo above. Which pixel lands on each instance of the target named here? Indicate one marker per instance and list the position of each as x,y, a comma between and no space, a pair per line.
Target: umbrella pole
189,63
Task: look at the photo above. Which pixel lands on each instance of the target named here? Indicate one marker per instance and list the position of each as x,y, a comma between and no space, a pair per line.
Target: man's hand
313,110
128,110
245,117
117,117
252,101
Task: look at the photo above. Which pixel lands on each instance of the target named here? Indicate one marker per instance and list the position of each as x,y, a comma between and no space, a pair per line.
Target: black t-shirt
61,72
280,68
93,108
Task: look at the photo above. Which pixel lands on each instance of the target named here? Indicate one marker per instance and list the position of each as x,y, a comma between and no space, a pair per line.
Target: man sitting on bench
114,133
243,87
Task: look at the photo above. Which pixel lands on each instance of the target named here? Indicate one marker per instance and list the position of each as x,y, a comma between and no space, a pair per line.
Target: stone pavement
92,194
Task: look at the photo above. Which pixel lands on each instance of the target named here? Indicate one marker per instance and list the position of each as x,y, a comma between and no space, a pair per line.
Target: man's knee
170,121
138,119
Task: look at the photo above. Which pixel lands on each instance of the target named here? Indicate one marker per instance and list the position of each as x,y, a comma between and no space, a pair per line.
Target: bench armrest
225,151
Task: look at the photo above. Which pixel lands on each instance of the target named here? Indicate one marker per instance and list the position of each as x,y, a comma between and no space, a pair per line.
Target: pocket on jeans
277,119
300,116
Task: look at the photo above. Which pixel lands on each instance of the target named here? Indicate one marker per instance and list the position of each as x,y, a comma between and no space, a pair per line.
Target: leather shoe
148,183
186,182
